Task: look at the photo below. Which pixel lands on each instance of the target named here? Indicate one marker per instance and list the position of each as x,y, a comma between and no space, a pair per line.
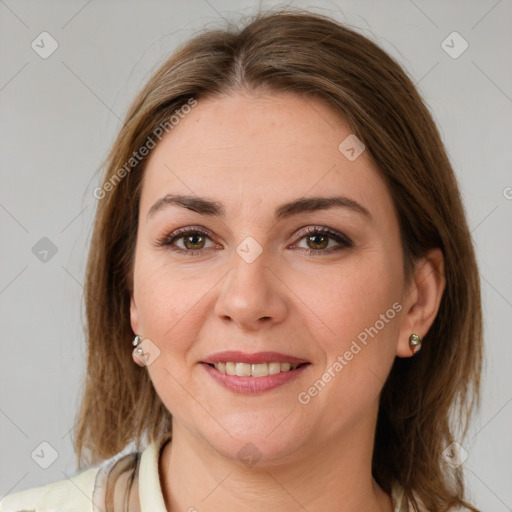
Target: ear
422,299
134,315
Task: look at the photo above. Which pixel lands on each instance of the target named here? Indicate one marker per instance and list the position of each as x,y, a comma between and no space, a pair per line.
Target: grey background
60,115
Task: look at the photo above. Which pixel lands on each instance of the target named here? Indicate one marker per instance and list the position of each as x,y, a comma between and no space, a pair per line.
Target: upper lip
235,356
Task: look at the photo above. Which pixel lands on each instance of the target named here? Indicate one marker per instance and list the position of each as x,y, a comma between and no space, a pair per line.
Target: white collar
150,489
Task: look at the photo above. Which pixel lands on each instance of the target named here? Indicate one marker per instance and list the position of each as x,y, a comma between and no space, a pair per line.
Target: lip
233,356
253,385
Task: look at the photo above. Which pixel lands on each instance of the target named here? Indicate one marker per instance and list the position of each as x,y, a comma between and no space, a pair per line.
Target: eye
317,240
193,240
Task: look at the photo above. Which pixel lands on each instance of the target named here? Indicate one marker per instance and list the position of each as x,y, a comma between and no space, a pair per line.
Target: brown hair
309,54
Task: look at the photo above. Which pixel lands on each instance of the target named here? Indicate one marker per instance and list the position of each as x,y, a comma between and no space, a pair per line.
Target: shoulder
99,488
70,494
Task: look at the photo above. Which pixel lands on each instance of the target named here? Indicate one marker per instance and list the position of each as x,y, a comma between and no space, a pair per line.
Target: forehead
259,150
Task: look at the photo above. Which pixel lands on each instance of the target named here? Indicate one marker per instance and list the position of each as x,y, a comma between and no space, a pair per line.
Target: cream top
137,491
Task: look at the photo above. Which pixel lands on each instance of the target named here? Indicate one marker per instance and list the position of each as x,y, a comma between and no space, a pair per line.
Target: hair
426,399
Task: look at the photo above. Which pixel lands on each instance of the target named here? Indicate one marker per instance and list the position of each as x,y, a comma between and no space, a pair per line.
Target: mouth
246,373
256,370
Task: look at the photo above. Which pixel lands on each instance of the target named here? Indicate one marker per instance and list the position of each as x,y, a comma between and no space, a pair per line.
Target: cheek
168,302
360,305
170,314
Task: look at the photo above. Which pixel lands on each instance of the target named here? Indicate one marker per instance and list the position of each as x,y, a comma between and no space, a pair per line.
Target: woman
280,233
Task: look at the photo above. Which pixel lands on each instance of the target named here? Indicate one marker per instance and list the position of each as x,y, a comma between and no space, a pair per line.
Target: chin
256,442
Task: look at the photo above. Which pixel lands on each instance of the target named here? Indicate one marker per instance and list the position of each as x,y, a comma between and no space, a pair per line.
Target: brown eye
194,241
317,240
186,240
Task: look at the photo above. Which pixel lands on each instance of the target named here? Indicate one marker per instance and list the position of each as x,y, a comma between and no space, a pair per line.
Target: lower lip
252,385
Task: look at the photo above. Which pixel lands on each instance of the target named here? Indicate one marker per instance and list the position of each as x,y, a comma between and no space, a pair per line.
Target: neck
327,476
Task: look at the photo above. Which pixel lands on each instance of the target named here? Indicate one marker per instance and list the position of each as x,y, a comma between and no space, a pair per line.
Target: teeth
274,368
254,370
243,370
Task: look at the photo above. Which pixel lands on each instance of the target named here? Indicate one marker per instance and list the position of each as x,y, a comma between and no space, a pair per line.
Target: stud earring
415,343
138,352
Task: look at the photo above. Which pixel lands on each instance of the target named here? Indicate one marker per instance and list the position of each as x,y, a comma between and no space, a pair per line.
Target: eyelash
343,240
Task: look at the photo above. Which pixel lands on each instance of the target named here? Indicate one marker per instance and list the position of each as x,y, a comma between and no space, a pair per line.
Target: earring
138,352
415,343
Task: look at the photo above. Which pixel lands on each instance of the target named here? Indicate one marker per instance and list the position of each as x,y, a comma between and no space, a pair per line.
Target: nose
253,294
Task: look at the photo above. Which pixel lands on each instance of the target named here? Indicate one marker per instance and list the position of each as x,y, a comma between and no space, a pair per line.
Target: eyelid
168,238
343,240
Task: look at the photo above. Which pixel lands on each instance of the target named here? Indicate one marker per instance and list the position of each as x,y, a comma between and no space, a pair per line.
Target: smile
254,369
245,382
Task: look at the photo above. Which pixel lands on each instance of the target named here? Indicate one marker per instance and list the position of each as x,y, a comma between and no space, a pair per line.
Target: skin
252,153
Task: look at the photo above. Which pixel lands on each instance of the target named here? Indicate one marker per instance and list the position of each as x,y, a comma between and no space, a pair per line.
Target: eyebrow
205,206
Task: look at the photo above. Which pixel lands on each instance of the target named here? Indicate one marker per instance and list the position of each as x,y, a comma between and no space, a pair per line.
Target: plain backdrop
59,117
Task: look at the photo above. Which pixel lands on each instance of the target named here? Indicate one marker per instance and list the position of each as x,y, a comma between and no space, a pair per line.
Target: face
322,284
